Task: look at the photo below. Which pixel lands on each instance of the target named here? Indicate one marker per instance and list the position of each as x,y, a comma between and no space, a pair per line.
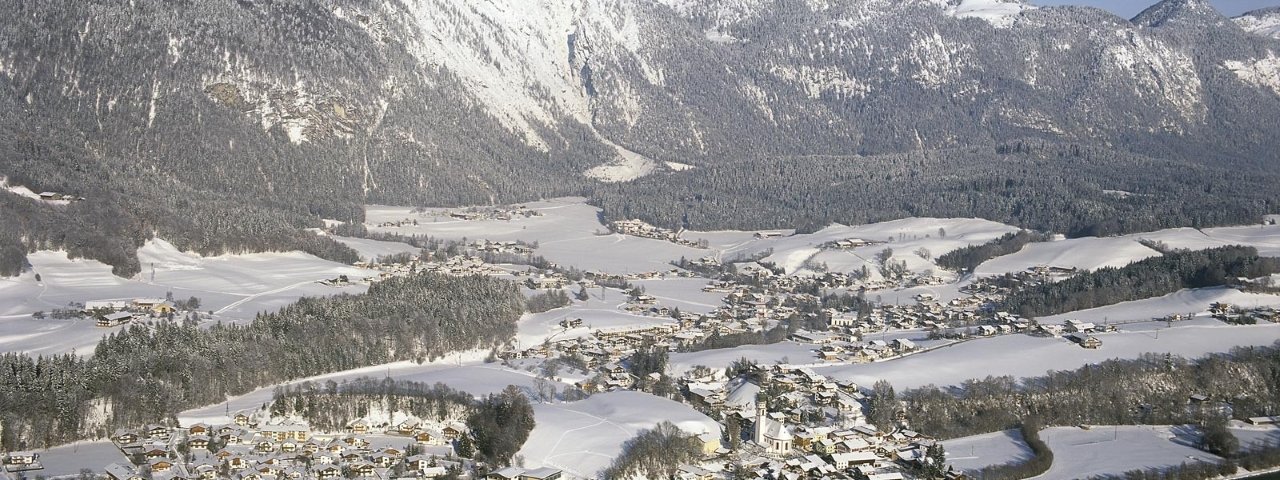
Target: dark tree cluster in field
545,301
654,453
1147,278
500,423
1151,390
967,258
1052,188
716,340
148,374
330,406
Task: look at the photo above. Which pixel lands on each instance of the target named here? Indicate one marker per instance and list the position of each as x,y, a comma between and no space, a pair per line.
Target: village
780,420
504,213
639,228
258,447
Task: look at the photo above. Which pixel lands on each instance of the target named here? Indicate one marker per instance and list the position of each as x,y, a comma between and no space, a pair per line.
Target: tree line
1041,458
1152,390
1148,278
966,259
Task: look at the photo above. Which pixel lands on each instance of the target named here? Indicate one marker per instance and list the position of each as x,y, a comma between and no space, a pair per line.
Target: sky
1129,8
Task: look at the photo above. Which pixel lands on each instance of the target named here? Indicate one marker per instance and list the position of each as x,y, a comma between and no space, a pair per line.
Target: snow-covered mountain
1264,22
323,106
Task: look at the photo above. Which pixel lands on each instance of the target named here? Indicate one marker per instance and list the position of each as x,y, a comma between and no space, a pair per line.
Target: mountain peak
1192,13
1265,22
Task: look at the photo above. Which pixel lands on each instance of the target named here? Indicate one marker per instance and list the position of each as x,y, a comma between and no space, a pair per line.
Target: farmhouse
22,461
1085,340
100,305
1264,420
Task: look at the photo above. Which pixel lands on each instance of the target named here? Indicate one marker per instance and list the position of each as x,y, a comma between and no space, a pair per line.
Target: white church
771,433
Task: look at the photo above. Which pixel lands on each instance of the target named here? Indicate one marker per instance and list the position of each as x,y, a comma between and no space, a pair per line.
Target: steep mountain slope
228,125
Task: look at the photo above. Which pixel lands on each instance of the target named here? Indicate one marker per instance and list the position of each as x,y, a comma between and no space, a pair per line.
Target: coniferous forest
140,374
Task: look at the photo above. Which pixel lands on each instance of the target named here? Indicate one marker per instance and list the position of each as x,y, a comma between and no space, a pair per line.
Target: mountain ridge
192,115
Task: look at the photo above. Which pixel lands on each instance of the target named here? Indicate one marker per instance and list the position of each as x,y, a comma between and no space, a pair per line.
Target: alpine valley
694,239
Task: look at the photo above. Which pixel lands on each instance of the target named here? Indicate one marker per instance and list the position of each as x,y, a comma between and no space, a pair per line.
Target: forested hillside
231,125
142,374
1079,191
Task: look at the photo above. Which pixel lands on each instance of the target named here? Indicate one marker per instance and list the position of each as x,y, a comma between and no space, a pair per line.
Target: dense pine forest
1152,277
1043,186
142,374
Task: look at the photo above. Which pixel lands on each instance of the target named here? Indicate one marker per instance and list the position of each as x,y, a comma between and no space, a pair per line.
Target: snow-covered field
1181,302
999,13
683,293
67,460
596,314
1108,450
1028,356
785,352
235,287
1085,253
978,451
1255,435
583,437
568,233
1100,450
1091,252
904,236
370,250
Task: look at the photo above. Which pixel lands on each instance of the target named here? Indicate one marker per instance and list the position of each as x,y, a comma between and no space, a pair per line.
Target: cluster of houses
462,265
807,426
490,213
848,244
640,228
110,313
247,450
1236,314
469,214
